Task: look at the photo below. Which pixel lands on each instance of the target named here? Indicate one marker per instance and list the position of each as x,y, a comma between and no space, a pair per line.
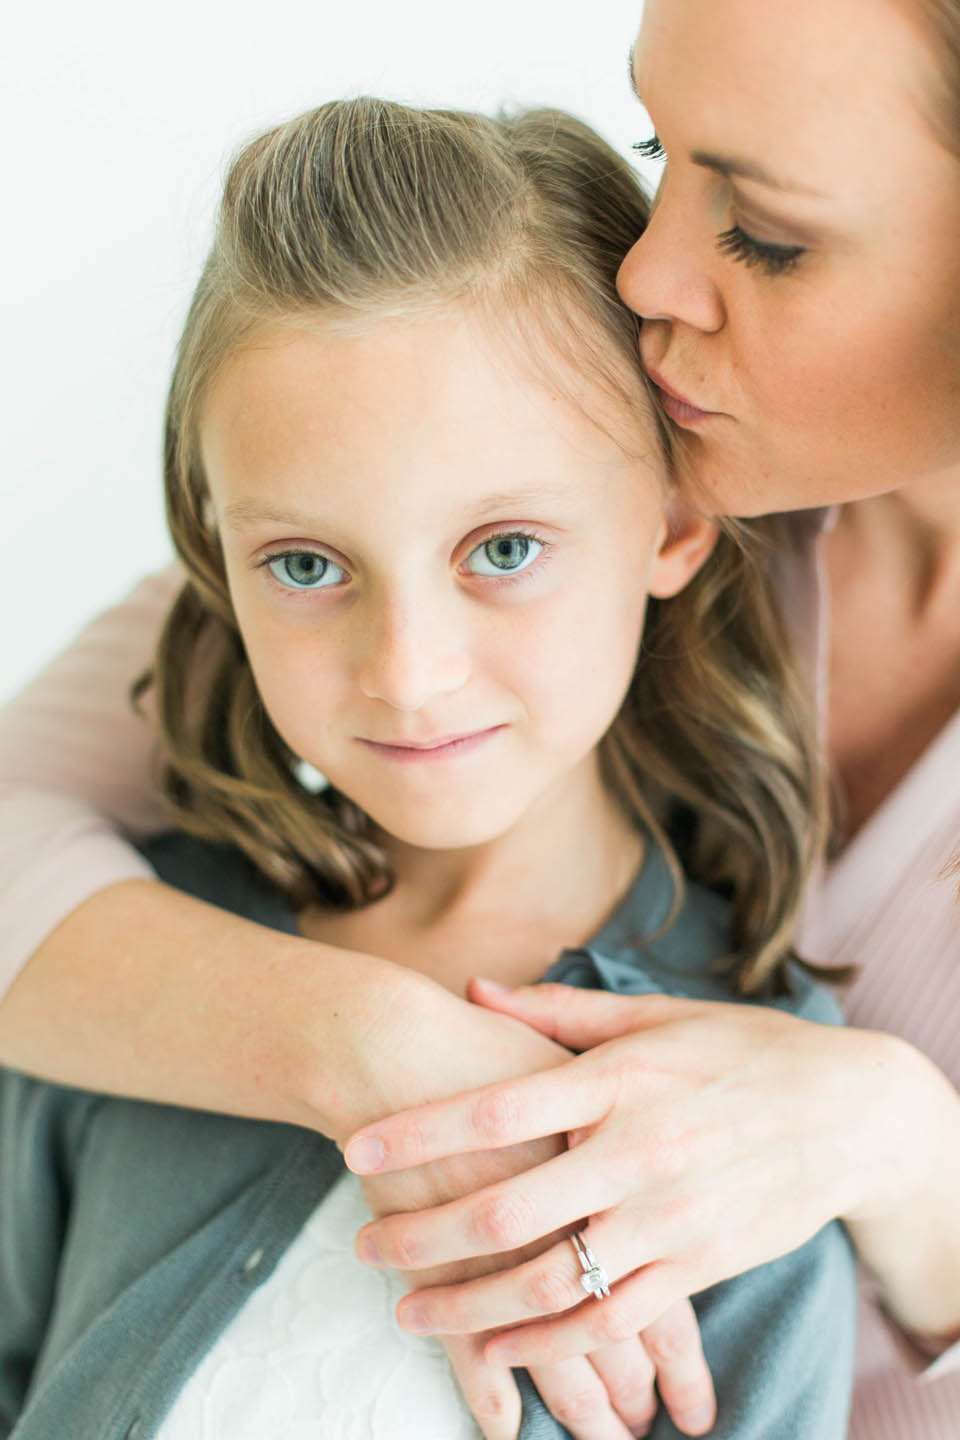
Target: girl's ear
688,541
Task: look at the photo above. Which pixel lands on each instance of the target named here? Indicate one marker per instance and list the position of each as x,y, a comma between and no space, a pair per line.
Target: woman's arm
75,766
907,1227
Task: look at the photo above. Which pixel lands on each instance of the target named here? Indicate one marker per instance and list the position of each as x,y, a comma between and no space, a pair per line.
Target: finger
489,1390
683,1377
501,1217
579,1019
575,1395
628,1376
633,1304
550,1283
547,1285
549,1103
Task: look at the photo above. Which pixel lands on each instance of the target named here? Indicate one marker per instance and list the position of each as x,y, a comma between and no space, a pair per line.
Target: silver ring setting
594,1279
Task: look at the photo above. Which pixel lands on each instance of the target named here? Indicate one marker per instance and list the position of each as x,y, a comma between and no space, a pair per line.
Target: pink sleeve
75,769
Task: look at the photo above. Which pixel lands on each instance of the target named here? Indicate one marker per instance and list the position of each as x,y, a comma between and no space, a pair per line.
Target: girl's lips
431,751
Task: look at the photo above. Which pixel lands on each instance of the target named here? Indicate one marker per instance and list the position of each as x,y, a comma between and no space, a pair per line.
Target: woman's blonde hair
362,209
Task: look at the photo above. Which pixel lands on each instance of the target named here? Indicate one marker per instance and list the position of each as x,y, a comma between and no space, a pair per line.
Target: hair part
363,209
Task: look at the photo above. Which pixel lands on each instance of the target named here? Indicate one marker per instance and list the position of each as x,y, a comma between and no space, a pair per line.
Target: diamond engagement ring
594,1279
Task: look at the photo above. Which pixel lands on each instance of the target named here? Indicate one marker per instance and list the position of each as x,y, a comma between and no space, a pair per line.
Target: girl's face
438,564
799,282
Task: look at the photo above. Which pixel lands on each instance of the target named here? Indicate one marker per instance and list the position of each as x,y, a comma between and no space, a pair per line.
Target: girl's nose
669,274
411,653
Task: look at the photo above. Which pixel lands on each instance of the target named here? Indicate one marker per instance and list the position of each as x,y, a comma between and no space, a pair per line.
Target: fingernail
696,1420
413,1318
368,1251
494,986
364,1155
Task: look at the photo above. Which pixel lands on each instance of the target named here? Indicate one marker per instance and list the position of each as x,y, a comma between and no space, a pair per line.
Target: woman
808,332
800,293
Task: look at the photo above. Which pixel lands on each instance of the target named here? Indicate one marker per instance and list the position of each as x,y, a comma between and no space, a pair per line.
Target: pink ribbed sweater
73,770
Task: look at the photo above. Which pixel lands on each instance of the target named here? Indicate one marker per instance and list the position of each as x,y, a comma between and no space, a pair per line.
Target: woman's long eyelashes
771,259
650,149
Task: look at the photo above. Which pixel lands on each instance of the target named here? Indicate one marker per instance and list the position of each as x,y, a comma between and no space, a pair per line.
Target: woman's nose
411,653
669,273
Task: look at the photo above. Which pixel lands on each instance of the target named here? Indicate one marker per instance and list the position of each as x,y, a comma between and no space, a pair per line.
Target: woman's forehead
805,89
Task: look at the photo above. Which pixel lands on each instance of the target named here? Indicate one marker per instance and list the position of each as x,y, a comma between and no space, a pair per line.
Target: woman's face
799,282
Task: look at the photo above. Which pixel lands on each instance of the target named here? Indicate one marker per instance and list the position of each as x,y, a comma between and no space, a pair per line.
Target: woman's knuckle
504,1220
664,1154
402,1245
578,1406
635,1397
666,1344
495,1114
613,1323
549,1291
413,1141
487,1402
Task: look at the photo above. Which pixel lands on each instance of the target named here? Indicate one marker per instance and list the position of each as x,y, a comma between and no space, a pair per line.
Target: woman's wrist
403,1040
906,1222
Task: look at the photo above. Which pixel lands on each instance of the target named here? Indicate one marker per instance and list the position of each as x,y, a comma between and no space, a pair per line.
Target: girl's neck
504,908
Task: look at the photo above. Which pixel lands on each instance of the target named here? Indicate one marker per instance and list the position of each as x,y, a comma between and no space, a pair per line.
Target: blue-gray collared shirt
131,1233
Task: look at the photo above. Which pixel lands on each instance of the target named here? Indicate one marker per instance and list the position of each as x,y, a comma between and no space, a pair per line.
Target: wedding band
594,1279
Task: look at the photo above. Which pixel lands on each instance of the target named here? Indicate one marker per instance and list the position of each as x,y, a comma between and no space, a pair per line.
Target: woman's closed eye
303,570
771,259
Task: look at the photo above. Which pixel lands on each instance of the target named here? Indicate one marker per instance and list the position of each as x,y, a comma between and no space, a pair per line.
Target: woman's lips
426,752
677,406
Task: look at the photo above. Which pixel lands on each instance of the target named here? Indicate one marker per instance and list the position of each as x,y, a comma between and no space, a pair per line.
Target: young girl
451,656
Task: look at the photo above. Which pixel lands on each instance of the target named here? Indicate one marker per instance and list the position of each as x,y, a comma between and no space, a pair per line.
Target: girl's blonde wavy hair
362,209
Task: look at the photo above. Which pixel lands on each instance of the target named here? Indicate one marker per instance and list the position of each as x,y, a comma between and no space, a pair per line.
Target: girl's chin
457,832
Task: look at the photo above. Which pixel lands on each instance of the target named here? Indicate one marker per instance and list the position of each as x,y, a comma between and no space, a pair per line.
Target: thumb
578,1019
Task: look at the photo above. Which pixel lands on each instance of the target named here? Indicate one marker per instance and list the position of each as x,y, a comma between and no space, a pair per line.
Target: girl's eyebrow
253,512
244,513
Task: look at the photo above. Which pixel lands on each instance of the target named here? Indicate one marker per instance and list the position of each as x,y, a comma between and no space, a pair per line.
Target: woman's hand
608,1395
708,1138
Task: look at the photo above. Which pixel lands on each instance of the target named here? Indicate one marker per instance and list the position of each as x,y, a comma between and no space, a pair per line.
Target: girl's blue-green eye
504,554
304,570
772,259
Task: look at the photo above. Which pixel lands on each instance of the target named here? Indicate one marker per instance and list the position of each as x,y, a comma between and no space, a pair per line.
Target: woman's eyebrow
733,165
730,165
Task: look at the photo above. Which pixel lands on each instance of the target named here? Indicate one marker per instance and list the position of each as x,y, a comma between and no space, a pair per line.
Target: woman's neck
894,569
913,533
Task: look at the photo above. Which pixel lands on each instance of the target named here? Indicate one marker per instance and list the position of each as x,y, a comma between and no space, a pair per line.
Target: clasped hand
704,1138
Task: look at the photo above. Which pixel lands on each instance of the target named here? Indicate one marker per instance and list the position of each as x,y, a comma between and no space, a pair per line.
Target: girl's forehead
441,386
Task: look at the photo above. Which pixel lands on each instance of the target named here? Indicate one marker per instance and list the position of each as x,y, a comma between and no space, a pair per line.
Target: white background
117,121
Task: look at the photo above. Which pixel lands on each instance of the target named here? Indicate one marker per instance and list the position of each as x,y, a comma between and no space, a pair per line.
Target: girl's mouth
444,747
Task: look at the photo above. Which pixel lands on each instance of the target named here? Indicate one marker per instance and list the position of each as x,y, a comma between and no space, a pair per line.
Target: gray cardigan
131,1233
